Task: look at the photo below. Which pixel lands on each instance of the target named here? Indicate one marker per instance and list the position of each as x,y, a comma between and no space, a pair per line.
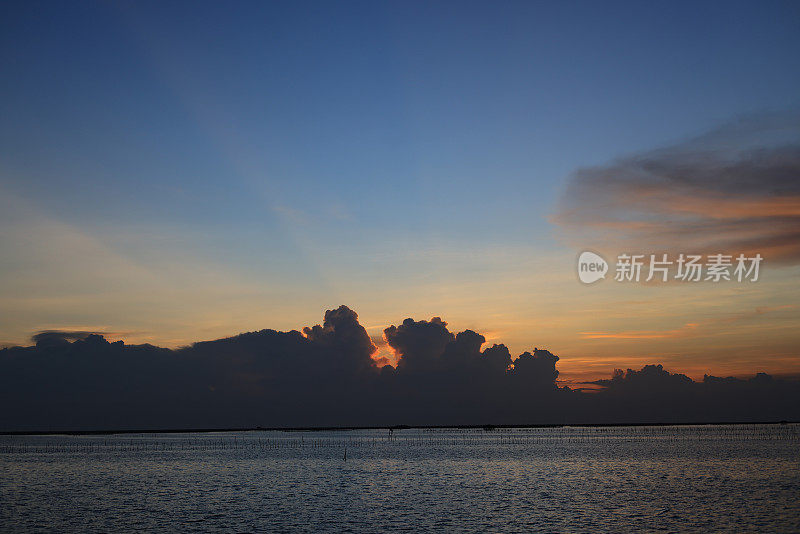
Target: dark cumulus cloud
57,337
655,393
326,376
733,190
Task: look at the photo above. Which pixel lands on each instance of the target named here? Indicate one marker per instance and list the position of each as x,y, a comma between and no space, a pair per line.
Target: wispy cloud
736,189
643,334
689,329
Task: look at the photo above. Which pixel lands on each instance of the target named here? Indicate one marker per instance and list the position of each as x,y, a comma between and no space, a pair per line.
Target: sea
689,478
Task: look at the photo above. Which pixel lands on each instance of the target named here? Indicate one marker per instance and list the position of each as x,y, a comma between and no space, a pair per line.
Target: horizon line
488,427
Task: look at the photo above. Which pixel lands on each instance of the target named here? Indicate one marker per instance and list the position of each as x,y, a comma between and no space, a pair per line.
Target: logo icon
591,267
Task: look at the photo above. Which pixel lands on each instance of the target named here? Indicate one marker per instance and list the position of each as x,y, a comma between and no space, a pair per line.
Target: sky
184,171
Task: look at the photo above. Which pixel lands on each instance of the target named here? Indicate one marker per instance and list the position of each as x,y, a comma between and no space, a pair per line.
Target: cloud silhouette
326,376
420,344
55,337
734,190
653,393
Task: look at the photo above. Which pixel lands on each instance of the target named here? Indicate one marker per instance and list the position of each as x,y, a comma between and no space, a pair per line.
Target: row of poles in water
420,438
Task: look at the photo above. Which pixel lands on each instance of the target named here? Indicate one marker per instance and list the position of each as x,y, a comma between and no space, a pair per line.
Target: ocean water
622,479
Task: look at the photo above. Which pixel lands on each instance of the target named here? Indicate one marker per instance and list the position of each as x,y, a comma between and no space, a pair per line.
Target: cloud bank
733,190
326,376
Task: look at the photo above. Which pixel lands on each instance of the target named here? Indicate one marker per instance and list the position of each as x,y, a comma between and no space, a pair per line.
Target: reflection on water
733,478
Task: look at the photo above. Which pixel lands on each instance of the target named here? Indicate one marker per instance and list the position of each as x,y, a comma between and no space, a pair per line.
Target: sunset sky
184,172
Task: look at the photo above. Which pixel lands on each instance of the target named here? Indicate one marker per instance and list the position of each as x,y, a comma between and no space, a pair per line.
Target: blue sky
403,112
285,143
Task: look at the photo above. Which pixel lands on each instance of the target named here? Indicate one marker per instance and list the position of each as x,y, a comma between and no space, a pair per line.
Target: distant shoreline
351,428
